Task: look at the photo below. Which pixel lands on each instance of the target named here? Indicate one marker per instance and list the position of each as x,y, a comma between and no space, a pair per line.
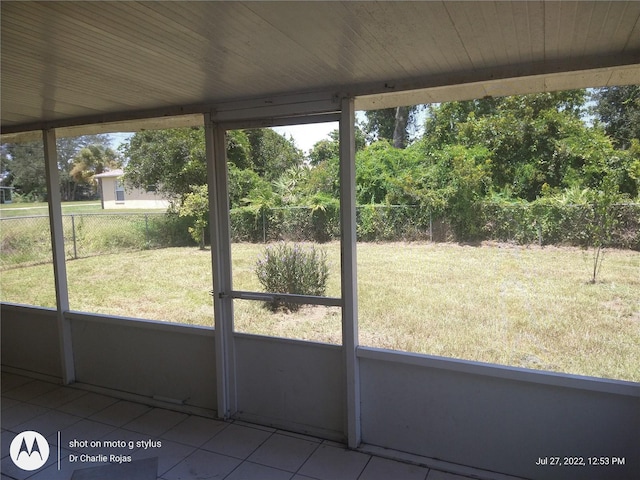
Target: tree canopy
175,161
518,148
79,158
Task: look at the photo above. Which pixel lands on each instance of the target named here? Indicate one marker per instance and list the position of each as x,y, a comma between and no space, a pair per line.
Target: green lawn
41,208
68,208
520,306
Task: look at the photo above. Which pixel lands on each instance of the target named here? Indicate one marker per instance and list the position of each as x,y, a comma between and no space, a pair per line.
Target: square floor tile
252,471
283,452
58,396
19,414
49,422
8,403
136,470
66,468
11,380
87,405
83,430
29,390
155,422
169,454
384,469
202,465
438,475
120,413
237,441
194,430
5,440
333,463
12,470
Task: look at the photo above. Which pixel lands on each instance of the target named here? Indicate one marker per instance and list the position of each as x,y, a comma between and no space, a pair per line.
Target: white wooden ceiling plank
582,39
114,57
319,63
75,70
472,32
199,25
440,52
263,51
372,37
509,46
151,67
71,88
532,44
552,29
48,109
422,47
393,40
335,45
492,46
132,49
374,45
167,41
623,27
74,55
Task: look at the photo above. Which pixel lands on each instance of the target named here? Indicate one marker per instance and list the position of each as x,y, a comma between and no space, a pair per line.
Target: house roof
83,67
110,174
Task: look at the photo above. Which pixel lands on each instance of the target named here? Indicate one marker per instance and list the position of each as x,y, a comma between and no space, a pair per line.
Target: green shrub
293,269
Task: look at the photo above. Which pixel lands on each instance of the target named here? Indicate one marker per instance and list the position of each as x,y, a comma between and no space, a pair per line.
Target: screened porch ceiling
86,67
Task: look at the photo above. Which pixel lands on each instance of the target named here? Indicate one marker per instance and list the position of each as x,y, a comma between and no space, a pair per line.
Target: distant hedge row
522,223
25,240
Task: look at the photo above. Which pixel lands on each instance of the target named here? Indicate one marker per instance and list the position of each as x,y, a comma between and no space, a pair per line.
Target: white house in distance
113,193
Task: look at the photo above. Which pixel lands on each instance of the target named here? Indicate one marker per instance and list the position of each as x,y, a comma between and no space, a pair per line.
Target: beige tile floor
187,446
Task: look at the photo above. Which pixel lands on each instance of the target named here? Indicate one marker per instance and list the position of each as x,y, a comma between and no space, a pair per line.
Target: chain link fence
26,240
524,223
373,223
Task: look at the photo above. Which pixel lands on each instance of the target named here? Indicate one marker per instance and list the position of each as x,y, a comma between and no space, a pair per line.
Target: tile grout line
297,472
365,466
252,452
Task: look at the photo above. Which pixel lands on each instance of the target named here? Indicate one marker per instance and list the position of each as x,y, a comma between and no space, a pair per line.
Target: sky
305,136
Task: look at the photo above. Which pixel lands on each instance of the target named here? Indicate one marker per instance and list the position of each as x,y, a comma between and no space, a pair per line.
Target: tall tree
24,164
23,168
392,124
619,109
271,153
91,161
175,160
67,149
527,136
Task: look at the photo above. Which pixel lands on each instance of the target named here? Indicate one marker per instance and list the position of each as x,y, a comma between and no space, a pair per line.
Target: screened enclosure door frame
223,292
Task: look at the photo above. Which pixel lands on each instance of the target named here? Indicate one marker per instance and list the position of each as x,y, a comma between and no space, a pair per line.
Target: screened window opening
285,233
504,231
26,259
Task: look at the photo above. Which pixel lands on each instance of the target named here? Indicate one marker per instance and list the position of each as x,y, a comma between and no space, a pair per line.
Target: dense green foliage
196,207
573,150
79,159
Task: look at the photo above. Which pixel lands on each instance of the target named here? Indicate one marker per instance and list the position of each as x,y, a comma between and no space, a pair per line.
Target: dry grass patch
527,307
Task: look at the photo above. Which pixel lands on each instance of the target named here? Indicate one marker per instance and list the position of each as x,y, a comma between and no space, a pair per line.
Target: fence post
73,229
264,228
430,226
539,235
146,230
